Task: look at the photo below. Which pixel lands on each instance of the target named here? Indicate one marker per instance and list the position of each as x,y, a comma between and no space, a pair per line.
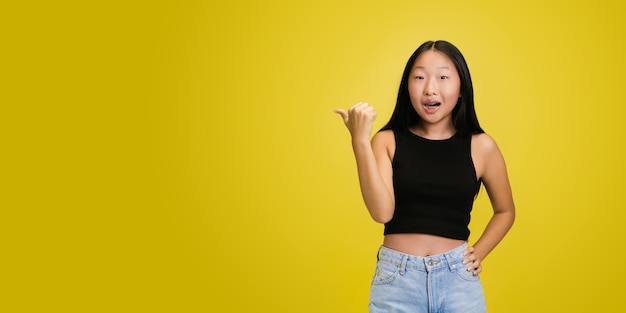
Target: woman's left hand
470,256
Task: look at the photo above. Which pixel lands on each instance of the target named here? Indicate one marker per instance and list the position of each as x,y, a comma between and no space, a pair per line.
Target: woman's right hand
372,160
359,120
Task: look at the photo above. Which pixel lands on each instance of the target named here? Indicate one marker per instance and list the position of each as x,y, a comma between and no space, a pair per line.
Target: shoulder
487,156
483,143
384,135
485,151
384,140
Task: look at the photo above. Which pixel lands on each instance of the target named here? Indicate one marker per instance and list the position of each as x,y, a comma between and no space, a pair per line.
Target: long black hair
463,116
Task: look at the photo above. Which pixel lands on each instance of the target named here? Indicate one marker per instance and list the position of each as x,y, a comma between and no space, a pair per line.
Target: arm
373,161
494,176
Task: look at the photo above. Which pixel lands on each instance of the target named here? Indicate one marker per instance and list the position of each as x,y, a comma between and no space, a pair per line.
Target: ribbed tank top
435,185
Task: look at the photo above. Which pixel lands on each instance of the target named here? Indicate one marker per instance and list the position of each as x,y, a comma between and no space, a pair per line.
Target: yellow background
184,157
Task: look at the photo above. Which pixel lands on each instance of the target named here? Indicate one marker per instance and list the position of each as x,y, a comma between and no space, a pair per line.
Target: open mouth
432,104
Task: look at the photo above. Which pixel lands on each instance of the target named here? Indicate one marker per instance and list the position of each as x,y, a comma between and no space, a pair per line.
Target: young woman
419,175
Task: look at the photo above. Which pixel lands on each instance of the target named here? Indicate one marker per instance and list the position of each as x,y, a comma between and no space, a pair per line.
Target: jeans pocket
385,273
465,274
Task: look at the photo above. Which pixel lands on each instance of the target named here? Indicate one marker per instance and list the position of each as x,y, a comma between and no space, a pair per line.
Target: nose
430,88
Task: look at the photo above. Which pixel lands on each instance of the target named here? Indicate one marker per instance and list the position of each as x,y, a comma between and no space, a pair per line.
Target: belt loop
450,261
405,258
378,253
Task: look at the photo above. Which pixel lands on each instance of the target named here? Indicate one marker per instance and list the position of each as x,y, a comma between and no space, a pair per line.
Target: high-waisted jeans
405,283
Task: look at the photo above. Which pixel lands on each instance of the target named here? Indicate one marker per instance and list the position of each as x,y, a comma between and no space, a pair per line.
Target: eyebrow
440,68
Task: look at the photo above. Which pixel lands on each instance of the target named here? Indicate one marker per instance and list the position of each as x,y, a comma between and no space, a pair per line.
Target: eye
444,77
419,77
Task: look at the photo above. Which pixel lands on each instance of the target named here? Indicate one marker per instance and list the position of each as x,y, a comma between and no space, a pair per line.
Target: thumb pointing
343,114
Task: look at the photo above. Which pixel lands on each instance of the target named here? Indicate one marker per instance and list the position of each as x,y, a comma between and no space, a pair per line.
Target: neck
435,132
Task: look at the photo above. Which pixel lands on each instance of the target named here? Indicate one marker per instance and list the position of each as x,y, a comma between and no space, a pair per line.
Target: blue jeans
433,284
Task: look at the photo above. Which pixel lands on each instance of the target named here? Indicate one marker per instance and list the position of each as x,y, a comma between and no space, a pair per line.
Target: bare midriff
421,244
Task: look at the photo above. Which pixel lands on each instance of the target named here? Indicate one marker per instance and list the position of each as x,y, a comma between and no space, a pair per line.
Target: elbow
381,211
511,212
382,217
508,216
382,220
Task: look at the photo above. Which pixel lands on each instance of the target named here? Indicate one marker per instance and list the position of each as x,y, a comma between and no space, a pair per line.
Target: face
434,87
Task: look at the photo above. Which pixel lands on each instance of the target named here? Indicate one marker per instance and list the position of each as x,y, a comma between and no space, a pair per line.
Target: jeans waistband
452,259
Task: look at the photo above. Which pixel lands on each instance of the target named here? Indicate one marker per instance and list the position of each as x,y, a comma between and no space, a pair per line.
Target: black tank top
435,185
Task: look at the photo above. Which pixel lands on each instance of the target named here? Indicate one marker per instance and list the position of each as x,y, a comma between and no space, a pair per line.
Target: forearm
376,195
496,229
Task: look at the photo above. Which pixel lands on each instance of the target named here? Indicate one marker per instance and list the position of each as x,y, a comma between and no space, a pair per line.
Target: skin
434,79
